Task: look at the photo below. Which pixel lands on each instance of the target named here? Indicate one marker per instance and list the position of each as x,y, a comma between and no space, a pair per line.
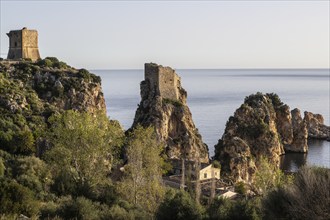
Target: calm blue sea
214,95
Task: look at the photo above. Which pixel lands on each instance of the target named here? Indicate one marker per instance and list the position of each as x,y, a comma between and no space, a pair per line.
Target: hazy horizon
180,34
276,68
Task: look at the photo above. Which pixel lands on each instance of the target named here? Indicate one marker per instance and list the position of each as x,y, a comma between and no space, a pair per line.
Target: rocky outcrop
249,134
31,92
37,88
316,127
300,133
262,127
163,105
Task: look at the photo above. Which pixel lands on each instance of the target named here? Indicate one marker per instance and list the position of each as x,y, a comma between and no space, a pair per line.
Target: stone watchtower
163,80
23,44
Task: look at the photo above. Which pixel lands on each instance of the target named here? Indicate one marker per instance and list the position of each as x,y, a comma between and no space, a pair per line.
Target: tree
308,197
85,147
179,205
33,173
15,198
268,177
142,181
227,209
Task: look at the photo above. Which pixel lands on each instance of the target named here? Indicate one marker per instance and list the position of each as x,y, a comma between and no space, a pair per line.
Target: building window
205,175
15,44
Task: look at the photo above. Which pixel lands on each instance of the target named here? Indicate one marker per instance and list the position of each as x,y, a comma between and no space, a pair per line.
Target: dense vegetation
64,164
29,94
78,177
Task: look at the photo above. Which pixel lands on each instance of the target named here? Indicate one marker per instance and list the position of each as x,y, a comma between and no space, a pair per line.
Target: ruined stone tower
23,44
163,79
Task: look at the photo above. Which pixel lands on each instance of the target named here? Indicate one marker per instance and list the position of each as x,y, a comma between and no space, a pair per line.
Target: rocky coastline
263,126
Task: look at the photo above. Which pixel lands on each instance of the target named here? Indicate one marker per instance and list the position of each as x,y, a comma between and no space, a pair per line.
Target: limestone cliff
31,92
163,105
316,127
250,134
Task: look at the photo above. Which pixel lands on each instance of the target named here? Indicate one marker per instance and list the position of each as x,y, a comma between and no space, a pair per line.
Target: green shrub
308,197
254,99
63,183
79,208
172,102
275,99
179,205
17,142
23,143
252,130
45,63
53,59
60,65
52,62
32,172
49,210
216,164
118,213
230,209
240,188
17,199
83,73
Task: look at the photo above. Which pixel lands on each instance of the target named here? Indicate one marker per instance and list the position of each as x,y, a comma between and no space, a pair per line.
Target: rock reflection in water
292,161
318,154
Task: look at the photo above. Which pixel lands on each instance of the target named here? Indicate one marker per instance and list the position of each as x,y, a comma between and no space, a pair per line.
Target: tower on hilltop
23,44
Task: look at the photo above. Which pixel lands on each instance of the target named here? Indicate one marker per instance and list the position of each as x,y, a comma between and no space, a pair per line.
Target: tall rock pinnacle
163,105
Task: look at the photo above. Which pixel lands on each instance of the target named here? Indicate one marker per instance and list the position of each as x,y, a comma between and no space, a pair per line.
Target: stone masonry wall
168,83
15,45
163,81
23,44
30,44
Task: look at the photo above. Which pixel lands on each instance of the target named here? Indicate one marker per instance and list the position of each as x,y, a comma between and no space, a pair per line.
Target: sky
180,34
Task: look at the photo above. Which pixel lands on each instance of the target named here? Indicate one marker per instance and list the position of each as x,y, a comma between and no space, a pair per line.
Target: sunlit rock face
250,134
316,127
300,133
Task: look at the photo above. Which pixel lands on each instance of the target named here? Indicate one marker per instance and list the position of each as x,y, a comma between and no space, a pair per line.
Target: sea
215,94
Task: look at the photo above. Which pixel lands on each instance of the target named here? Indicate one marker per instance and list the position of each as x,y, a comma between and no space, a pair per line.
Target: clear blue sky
185,34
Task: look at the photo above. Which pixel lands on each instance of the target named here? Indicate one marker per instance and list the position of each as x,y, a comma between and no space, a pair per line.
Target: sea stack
164,106
249,135
263,126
